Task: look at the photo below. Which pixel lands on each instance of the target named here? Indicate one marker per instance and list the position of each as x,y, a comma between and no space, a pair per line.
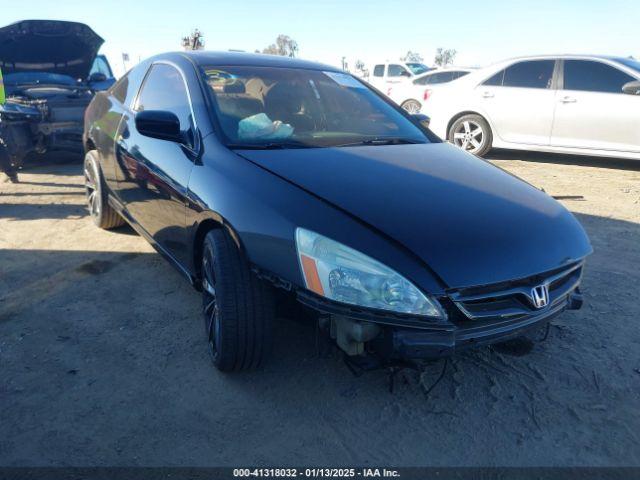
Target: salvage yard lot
103,358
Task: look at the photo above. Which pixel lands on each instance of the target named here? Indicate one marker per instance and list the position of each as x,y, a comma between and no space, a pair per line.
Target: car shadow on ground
581,160
105,349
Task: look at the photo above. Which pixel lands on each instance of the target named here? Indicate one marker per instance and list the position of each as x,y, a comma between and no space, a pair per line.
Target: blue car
265,179
51,72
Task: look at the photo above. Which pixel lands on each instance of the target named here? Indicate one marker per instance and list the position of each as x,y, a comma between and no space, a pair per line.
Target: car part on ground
403,246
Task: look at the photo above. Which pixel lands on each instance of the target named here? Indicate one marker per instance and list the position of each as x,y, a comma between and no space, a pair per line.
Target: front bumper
411,343
400,339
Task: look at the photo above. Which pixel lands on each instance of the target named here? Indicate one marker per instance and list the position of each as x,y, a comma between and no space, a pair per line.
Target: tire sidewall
487,137
406,102
91,162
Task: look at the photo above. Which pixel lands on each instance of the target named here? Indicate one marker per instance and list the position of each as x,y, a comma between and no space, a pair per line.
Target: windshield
631,63
35,78
266,107
418,68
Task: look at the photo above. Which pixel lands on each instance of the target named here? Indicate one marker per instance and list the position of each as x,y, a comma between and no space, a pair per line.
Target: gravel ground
103,360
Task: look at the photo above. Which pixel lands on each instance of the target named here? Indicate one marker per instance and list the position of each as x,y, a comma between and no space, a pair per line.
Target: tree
412,57
444,57
195,41
284,46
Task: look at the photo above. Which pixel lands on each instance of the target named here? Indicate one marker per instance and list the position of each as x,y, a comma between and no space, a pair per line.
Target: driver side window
164,90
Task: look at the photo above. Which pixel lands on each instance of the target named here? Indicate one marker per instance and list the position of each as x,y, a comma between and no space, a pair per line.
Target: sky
482,32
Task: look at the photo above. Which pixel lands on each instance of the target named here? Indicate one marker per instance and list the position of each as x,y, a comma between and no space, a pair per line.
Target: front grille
515,300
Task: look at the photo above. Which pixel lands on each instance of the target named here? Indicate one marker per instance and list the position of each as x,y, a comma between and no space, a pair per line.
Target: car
268,180
388,74
51,72
410,95
574,104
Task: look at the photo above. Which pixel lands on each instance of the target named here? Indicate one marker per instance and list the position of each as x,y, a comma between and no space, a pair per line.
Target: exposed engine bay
43,118
51,71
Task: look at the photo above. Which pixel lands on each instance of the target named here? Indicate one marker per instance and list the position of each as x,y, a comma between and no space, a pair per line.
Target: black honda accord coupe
264,178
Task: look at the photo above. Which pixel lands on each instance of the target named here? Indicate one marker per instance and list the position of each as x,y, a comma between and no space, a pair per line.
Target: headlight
343,274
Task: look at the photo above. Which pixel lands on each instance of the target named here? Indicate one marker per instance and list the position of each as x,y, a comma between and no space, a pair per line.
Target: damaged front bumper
29,125
476,317
358,333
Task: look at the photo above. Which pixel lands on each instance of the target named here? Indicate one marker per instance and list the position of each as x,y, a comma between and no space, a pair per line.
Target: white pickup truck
388,74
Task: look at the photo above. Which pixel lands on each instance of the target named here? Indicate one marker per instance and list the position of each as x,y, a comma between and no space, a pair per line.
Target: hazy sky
481,31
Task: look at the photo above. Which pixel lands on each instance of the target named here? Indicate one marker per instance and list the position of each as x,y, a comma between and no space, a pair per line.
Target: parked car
256,173
51,71
410,95
388,74
580,104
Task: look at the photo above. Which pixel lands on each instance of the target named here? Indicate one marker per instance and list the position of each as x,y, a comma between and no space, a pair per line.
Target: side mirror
159,124
96,77
423,119
404,73
632,88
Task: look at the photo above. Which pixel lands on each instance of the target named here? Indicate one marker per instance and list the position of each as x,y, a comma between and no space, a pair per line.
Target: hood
52,46
469,221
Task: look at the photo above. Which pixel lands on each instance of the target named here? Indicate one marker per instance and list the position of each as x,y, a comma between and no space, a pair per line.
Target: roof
211,58
614,58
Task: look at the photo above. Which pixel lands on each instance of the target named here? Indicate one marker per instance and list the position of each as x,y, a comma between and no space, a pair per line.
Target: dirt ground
103,358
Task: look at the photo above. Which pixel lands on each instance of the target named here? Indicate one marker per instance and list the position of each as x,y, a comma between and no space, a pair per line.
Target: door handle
488,95
568,100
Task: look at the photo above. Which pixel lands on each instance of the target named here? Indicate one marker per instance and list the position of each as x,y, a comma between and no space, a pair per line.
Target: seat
235,104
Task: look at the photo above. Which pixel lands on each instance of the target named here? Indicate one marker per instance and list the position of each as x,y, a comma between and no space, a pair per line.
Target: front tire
411,106
471,133
238,307
101,212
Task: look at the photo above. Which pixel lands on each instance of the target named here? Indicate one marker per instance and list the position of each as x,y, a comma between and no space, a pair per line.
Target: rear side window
119,89
378,71
126,89
496,80
589,76
164,89
442,77
457,75
397,70
529,74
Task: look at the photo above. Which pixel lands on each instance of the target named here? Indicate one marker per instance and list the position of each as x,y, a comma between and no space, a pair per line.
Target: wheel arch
211,221
89,145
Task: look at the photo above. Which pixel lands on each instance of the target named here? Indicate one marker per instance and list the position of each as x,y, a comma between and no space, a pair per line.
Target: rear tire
472,133
238,307
97,199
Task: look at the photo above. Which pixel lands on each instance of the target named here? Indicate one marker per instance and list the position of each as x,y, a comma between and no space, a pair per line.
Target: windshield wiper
267,146
381,141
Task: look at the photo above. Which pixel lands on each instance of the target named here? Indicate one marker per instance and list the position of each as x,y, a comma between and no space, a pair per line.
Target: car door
155,173
593,112
397,74
519,102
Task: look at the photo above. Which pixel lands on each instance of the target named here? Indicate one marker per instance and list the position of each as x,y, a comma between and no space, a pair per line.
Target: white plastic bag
261,127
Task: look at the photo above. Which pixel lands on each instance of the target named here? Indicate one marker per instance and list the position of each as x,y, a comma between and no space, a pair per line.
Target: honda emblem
540,296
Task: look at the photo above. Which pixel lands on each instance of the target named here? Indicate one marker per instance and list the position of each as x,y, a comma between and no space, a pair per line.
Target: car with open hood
51,71
263,179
